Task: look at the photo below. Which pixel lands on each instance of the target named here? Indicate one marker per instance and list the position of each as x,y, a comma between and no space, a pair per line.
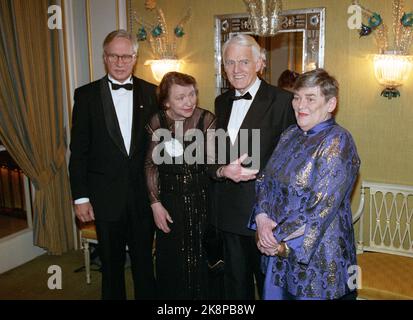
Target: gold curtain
31,116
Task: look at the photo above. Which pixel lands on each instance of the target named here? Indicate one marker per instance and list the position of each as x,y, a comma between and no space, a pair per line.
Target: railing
390,210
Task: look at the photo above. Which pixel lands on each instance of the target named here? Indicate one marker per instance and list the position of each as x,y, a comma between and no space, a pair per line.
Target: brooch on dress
174,148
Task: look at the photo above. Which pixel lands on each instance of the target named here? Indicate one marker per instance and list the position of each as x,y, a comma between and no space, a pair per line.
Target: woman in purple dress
302,213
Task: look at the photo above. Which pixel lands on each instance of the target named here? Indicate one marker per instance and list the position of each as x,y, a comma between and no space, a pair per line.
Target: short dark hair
318,78
287,79
172,78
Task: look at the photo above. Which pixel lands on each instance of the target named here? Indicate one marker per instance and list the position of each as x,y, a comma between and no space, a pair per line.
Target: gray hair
245,41
318,78
121,33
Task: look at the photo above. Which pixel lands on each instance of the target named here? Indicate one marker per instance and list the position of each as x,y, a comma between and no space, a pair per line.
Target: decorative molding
309,21
89,40
123,14
67,62
117,14
129,18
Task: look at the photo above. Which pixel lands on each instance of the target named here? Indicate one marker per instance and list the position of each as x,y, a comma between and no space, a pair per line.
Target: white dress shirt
123,102
240,109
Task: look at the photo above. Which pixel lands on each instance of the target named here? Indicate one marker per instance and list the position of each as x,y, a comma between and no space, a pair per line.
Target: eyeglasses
127,58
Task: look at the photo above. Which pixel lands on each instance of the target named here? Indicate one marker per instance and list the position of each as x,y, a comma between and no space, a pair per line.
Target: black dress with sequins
182,188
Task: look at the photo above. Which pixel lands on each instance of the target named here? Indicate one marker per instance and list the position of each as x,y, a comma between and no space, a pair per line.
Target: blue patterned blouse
308,182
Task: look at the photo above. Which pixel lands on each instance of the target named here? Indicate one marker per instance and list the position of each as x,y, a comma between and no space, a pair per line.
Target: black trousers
137,233
242,263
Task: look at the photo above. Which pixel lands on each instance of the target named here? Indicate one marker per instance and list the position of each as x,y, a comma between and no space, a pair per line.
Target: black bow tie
246,96
115,86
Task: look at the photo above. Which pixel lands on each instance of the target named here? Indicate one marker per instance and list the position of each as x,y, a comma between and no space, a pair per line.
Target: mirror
298,46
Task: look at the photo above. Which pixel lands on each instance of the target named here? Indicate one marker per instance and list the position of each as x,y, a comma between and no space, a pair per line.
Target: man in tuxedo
251,104
108,145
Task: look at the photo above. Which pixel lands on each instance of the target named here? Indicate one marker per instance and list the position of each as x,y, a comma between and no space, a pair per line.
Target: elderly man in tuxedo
108,144
257,108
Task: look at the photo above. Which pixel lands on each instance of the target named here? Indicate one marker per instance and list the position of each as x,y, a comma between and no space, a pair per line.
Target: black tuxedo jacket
271,112
100,168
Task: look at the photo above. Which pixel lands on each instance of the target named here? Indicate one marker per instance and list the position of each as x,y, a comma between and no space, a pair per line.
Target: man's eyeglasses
127,58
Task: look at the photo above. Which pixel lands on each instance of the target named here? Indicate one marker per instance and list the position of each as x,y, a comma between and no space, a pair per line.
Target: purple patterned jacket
308,181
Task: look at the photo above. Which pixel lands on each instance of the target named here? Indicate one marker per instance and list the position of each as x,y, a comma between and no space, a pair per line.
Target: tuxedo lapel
226,114
138,116
111,119
258,108
227,108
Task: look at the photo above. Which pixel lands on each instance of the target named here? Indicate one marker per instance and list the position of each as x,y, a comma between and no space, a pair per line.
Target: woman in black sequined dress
178,186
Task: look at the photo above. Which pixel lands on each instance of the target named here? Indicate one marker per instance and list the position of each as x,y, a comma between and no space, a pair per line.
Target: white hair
245,41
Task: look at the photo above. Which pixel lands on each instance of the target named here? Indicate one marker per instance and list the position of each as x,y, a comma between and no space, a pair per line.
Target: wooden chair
87,235
385,241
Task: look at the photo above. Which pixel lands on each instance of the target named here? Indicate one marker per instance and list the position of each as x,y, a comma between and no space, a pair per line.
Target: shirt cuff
81,200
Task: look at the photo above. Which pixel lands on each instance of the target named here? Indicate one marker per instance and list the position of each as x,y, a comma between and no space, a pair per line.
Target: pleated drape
31,116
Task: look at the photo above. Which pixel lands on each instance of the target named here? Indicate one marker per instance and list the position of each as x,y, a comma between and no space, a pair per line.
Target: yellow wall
382,129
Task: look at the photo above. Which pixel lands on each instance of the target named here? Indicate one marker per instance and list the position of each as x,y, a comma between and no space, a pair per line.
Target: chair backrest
389,208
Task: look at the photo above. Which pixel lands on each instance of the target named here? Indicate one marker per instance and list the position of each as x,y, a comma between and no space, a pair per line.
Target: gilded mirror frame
310,21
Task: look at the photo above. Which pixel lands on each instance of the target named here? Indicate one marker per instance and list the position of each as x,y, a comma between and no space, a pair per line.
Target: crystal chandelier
264,16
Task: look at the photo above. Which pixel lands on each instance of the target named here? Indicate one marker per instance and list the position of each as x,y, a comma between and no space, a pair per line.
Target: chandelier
264,16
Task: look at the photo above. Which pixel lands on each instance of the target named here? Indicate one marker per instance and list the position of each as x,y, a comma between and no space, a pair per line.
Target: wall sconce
393,65
163,45
392,70
160,67
264,16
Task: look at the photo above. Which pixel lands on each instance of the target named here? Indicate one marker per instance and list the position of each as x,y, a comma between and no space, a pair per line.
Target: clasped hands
266,242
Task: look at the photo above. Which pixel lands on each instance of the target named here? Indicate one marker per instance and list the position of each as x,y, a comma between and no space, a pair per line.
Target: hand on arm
161,217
